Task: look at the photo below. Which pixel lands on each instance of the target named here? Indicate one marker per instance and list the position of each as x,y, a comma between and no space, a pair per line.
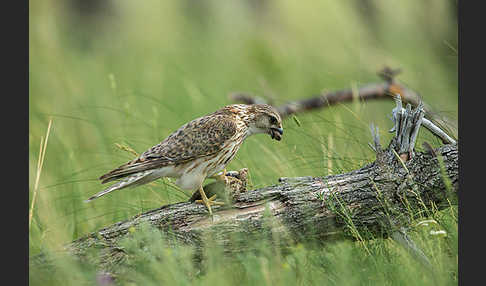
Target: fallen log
377,199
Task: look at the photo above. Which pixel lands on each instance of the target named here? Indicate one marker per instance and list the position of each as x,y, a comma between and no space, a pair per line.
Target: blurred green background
131,72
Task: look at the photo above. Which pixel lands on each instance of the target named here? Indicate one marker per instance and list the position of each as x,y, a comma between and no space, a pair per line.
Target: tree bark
376,199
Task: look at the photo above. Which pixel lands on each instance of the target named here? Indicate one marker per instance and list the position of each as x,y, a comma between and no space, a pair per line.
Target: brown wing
200,137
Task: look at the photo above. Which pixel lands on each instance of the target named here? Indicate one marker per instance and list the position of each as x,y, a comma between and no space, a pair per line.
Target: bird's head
263,118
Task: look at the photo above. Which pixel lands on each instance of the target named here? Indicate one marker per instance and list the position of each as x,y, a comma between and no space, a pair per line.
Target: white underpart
194,178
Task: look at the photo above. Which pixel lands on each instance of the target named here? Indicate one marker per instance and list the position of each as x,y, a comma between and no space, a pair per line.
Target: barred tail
131,181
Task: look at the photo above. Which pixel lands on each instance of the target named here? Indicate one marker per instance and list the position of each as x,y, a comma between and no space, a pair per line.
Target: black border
471,165
15,144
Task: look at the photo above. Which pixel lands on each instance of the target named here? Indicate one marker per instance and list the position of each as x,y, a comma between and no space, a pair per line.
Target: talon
205,200
208,202
211,201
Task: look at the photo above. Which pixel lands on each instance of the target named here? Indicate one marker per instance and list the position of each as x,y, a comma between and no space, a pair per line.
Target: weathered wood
377,197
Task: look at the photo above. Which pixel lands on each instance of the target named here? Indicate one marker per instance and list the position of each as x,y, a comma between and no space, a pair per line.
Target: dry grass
40,164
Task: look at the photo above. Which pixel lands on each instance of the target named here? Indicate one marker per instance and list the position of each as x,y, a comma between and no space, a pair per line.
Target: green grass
135,77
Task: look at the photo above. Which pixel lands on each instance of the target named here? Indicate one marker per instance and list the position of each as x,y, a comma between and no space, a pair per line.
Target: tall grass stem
40,163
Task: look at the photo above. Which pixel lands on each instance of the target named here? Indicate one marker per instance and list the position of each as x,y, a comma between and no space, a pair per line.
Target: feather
131,181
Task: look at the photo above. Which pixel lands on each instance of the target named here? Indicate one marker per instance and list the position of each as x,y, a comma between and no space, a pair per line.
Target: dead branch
386,89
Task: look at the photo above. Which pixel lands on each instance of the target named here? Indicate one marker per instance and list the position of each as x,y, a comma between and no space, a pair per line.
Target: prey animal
199,149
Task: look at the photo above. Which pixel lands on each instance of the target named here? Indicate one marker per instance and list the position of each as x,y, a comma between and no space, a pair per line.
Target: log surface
376,198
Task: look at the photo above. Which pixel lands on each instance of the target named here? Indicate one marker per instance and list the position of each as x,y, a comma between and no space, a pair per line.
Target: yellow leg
211,201
208,202
205,200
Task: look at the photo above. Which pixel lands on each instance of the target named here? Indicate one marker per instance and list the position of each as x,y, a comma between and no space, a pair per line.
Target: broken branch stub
406,126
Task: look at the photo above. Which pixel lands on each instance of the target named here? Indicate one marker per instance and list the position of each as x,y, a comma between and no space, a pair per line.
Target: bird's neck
243,118
251,130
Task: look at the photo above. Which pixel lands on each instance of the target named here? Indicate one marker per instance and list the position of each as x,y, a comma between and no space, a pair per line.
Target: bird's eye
273,120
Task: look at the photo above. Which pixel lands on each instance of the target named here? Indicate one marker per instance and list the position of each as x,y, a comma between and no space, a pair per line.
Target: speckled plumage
198,149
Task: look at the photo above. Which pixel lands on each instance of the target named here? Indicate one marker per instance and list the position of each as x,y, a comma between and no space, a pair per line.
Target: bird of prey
197,150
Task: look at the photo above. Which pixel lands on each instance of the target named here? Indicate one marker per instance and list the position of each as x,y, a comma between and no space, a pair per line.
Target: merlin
199,149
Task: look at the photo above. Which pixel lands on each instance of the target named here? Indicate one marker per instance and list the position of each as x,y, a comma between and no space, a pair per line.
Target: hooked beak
276,133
